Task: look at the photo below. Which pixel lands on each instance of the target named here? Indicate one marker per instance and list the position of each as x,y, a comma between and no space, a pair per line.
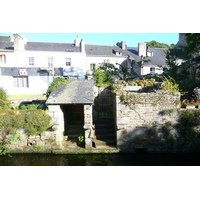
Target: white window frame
50,62
20,82
2,59
31,61
92,66
152,70
68,62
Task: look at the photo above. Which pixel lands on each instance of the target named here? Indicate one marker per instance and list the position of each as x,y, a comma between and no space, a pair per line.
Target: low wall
136,113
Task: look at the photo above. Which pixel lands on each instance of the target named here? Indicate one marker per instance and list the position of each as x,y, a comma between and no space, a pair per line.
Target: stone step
104,142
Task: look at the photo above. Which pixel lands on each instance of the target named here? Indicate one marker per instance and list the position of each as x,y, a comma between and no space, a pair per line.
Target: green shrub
3,94
189,130
36,122
55,84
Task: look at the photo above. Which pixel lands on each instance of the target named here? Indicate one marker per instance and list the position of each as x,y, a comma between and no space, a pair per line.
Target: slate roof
75,92
5,43
45,46
103,50
158,57
4,38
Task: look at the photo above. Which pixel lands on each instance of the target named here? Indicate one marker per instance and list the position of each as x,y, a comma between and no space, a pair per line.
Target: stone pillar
88,126
58,122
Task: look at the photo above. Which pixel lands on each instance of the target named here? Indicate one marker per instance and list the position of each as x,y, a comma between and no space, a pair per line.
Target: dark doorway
74,119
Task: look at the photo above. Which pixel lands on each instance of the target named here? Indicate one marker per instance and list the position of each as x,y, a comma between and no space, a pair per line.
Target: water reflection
148,159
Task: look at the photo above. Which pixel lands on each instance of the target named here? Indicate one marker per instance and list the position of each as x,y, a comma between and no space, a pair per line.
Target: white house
29,67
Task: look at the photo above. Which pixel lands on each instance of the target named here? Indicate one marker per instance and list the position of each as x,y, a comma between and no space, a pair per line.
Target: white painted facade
93,60
42,66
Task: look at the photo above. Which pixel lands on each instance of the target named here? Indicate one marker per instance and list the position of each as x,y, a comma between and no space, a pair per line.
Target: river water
118,159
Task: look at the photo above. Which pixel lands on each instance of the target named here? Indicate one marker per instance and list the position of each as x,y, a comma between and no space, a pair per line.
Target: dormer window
117,53
149,53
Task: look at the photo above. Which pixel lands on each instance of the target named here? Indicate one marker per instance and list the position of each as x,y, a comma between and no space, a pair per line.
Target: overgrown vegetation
189,131
3,98
106,73
55,84
35,122
184,64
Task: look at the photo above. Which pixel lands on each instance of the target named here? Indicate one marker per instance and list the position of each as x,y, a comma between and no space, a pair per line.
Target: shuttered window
20,82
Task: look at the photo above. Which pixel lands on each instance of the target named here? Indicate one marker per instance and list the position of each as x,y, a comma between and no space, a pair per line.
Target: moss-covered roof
75,92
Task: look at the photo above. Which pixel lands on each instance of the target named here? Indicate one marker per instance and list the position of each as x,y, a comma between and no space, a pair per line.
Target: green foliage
4,149
189,130
29,107
155,44
191,50
55,84
153,130
81,138
3,94
187,74
102,77
106,73
36,122
166,130
170,84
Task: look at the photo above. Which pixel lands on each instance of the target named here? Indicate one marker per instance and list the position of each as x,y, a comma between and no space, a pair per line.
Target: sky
131,39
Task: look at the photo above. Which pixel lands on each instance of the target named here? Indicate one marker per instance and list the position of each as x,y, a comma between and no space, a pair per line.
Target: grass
18,97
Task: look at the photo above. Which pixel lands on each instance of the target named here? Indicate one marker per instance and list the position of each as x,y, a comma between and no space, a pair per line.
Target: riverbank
103,159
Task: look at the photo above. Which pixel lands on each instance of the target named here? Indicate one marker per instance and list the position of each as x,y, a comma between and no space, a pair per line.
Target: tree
106,73
55,84
155,44
185,73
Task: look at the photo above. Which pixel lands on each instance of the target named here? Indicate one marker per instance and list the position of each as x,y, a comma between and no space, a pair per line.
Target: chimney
77,41
123,45
82,45
142,49
19,42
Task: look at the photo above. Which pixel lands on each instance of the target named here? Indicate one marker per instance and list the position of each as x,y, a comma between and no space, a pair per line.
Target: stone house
29,67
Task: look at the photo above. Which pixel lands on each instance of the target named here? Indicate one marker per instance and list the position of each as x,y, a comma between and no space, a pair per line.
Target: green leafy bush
35,122
102,78
189,130
55,84
3,94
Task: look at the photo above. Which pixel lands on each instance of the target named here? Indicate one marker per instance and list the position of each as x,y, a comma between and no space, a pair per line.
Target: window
68,61
20,81
50,62
149,53
152,70
31,61
92,66
2,59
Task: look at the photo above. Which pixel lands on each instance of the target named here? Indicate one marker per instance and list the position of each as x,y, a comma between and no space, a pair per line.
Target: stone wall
88,126
136,113
44,142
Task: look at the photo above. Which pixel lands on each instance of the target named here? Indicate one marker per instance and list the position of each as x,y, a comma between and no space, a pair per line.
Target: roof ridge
102,45
51,42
